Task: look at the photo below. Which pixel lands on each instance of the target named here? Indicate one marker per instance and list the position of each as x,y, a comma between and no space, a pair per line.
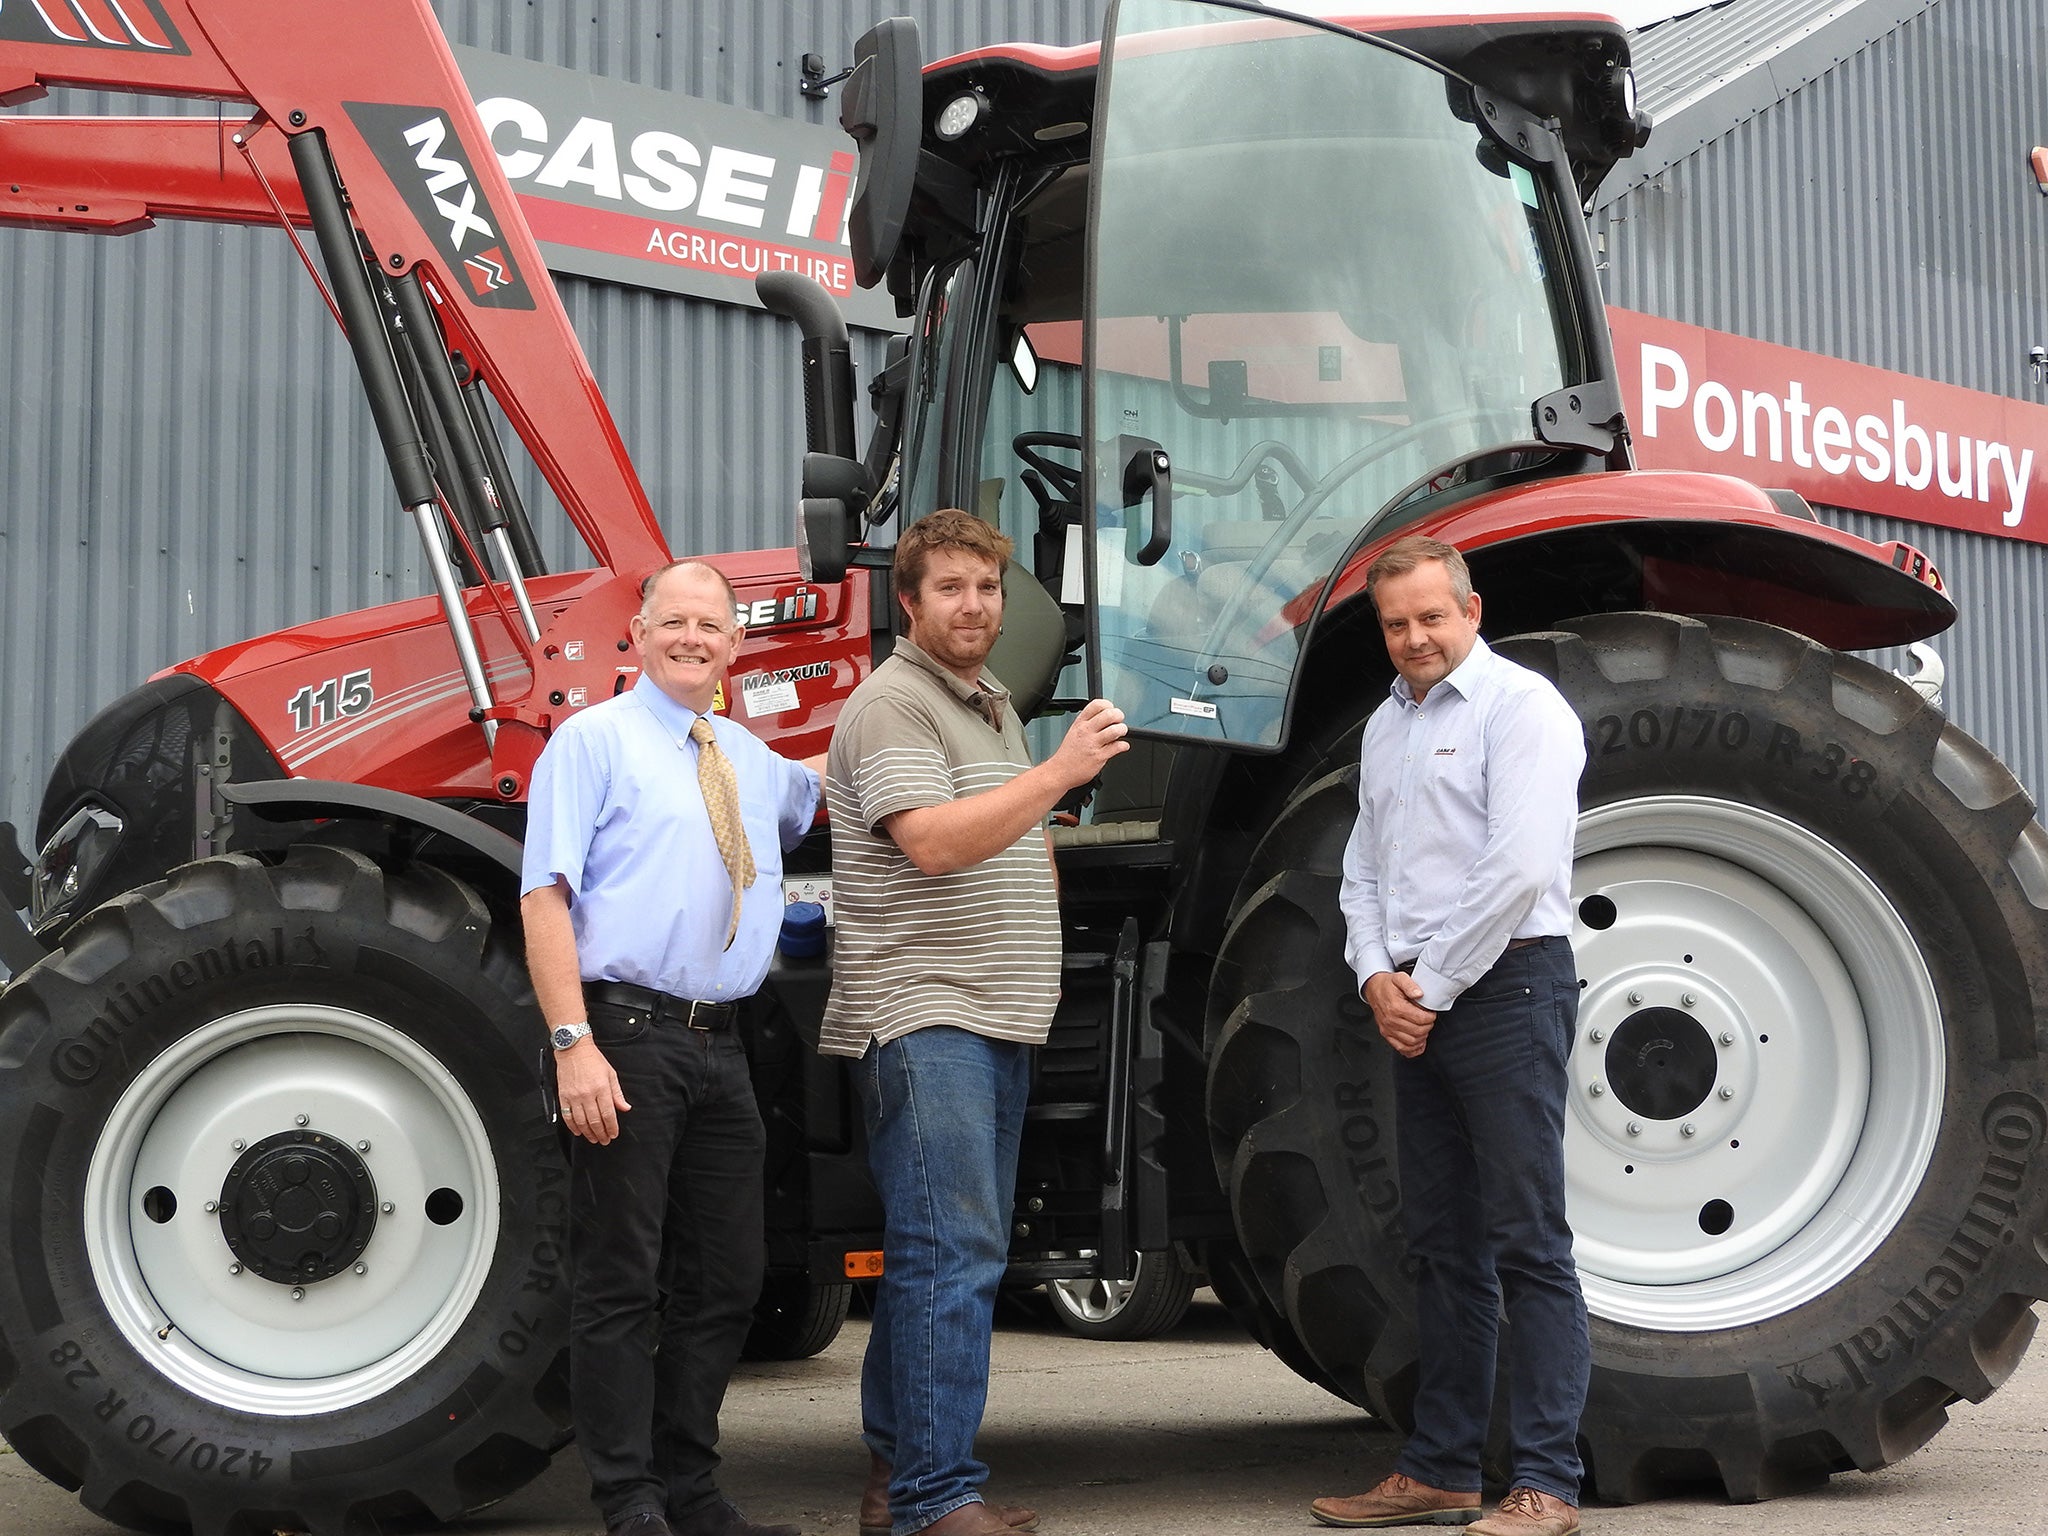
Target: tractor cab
1199,313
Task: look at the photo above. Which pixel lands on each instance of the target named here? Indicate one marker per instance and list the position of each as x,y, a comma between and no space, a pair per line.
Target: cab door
1316,295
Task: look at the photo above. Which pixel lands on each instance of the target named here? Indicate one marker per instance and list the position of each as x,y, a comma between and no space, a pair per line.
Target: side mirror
882,107
821,529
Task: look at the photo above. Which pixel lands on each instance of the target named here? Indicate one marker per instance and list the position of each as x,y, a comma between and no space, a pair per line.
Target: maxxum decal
90,24
419,150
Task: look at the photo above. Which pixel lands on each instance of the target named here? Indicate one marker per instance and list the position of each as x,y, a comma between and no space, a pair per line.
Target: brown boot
874,1504
1529,1512
975,1519
1399,1500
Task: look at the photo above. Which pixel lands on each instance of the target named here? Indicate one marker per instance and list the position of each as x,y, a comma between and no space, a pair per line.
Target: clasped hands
1395,1000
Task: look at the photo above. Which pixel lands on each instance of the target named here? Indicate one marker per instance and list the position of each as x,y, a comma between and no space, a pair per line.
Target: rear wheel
288,1214
797,1317
1807,1178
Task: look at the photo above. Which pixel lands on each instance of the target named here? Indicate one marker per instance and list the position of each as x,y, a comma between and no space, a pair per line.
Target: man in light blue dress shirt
1457,903
638,959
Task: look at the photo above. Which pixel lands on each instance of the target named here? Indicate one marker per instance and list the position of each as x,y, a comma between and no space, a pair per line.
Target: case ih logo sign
643,186
90,24
426,162
797,606
1840,434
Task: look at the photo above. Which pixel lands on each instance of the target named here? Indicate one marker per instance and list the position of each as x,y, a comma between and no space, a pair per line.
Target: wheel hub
1660,1063
298,1207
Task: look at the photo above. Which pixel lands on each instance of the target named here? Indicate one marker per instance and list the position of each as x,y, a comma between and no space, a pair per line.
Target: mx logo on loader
419,150
90,24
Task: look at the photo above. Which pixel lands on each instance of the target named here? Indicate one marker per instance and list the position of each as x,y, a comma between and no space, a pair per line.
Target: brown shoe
1399,1501
975,1519
874,1505
1529,1512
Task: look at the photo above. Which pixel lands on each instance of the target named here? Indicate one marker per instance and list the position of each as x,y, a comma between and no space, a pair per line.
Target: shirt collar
672,717
1465,679
986,698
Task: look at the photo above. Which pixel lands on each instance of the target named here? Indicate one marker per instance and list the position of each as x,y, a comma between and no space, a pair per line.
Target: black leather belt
663,1008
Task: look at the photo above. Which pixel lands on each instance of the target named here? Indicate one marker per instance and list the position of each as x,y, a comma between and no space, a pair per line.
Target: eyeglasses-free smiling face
957,610
1428,632
686,636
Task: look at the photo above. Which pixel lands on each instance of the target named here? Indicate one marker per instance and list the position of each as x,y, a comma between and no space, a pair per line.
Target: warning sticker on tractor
1195,707
764,696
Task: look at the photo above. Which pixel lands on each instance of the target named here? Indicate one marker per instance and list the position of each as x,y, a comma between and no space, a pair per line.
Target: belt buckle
690,1016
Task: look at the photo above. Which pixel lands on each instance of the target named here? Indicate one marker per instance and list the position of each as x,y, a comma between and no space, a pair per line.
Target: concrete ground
1203,1431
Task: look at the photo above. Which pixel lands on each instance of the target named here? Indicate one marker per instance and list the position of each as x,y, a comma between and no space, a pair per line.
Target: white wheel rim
1791,995
235,1338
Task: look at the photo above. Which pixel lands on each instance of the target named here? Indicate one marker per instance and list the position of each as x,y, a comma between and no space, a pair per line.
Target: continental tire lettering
2013,1126
77,1059
1687,728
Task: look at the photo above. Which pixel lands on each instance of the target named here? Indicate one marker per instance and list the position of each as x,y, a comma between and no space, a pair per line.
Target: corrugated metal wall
185,459
1884,213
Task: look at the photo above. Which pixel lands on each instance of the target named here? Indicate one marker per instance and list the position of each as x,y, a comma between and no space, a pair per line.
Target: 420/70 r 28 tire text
285,1220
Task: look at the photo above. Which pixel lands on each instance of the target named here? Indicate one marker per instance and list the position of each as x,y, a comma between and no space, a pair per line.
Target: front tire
1805,1152
1151,1302
287,1217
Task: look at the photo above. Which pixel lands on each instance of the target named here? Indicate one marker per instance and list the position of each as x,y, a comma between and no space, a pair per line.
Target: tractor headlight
69,861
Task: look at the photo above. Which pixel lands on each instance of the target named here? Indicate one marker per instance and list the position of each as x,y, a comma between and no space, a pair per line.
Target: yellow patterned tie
722,803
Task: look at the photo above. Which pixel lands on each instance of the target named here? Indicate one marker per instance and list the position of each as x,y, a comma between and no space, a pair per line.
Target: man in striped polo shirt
945,974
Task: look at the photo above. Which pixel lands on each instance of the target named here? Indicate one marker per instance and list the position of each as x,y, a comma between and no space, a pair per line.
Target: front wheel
288,1216
1150,1303
1805,1142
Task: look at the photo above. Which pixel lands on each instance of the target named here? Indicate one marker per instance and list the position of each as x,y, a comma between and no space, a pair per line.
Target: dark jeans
665,1250
1480,1128
944,1110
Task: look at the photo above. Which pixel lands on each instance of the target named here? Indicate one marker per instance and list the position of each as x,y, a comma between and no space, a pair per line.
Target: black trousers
666,1258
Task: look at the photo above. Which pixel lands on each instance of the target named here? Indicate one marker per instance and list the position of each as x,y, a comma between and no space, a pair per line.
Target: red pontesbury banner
1838,433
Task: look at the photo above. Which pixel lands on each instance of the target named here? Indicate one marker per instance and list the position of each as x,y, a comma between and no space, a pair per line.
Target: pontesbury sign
634,185
1838,433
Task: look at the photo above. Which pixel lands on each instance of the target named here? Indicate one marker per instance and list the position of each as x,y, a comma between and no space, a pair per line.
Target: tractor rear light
866,1265
65,868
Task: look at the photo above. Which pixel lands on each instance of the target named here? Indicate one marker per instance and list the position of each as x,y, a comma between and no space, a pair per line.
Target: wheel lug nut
302,1120
234,1269
212,1206
237,1144
1727,1037
1688,1129
362,1269
1686,999
1726,1094
298,1293
1635,999
1635,1128
1596,1089
387,1207
362,1146
1597,1036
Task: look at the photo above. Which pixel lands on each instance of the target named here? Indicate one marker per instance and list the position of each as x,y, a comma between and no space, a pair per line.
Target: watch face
567,1035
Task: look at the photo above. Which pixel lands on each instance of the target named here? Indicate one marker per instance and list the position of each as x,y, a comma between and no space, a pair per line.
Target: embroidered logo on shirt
1446,751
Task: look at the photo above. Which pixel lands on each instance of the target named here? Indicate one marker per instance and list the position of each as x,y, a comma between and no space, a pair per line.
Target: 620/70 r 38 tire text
1807,1146
285,1217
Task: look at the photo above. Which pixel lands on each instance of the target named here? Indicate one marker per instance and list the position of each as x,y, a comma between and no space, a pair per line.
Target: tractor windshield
1322,298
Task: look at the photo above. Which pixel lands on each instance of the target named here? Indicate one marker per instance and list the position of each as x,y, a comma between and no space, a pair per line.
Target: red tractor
1204,316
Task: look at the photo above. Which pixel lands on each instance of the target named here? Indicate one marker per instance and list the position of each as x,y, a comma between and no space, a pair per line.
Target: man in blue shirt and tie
652,898
1457,903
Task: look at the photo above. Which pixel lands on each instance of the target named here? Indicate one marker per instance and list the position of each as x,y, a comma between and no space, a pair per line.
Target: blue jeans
1480,1130
944,1110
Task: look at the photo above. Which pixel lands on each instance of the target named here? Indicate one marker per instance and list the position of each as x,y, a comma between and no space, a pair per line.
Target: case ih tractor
1205,316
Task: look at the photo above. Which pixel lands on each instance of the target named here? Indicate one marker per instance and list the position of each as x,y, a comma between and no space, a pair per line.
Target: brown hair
948,528
1404,555
647,587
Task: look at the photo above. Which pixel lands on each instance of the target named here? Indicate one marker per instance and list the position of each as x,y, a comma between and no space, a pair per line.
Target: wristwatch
562,1036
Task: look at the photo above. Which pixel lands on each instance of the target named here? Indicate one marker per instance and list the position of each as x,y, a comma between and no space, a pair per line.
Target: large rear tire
285,1214
1805,1147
